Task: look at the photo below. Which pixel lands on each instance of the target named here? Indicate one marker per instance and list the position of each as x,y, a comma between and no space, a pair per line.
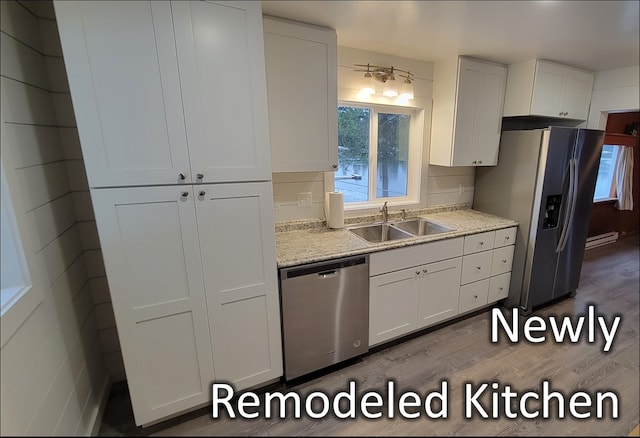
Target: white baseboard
97,421
601,239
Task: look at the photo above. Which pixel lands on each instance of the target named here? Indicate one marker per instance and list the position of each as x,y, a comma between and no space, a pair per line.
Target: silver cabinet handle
202,193
417,272
184,194
199,175
504,260
334,166
475,296
481,243
182,176
425,271
478,267
560,113
501,288
507,238
473,162
480,162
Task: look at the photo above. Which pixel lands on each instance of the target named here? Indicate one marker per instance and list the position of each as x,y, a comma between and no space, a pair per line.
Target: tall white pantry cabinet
170,102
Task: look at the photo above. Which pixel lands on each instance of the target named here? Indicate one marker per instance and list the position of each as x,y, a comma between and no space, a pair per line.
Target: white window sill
597,201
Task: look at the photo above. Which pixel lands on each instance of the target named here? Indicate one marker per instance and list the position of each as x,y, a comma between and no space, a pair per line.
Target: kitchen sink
379,232
420,227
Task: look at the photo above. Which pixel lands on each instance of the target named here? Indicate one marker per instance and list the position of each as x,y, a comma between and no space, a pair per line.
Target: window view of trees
390,145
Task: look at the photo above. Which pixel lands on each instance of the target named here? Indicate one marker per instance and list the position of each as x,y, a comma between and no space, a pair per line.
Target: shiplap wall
53,378
438,185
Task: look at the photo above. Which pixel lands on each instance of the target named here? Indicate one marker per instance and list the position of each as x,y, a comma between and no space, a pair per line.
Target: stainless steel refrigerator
545,179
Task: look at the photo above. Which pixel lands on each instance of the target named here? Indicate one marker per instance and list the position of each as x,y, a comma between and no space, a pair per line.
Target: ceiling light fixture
386,75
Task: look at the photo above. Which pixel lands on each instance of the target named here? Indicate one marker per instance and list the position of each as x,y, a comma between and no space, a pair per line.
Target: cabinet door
121,63
302,94
577,90
476,266
237,243
502,260
221,55
439,291
547,90
486,130
467,98
499,287
473,295
151,254
392,304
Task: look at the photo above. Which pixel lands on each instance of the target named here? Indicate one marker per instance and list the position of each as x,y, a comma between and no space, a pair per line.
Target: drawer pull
481,243
478,267
417,272
475,296
501,288
506,237
504,260
425,271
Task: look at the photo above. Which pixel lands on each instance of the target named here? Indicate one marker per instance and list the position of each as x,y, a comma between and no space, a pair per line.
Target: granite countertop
296,246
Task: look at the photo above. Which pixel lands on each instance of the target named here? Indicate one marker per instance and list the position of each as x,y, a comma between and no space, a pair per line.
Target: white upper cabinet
301,65
164,92
468,95
543,88
221,61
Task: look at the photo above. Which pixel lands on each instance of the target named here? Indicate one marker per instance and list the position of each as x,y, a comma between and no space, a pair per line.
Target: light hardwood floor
462,352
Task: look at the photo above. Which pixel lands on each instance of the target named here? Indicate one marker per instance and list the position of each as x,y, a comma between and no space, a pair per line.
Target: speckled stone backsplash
306,224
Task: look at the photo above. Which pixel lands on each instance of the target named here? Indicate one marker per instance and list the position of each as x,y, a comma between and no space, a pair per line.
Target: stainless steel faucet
385,212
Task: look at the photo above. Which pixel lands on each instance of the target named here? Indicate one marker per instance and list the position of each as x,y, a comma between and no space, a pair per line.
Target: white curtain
624,178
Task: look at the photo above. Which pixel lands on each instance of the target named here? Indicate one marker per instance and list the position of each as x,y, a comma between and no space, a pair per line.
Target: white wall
614,90
53,378
439,185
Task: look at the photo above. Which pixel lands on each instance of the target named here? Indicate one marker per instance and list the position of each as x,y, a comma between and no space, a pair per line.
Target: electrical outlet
304,199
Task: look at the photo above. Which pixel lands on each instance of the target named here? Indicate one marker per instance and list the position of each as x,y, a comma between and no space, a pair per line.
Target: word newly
535,328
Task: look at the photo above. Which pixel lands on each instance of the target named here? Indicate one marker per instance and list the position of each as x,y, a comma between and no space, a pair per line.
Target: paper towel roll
334,209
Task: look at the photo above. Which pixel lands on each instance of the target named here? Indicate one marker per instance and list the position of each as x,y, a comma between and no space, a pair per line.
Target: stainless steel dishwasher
325,313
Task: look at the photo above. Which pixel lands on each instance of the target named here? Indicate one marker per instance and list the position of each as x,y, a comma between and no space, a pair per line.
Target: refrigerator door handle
571,204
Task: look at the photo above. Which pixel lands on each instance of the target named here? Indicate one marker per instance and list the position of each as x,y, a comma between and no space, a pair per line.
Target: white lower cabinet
439,291
473,295
392,304
192,275
419,286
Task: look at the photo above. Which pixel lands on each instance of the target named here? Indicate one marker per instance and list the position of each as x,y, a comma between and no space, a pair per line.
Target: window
605,184
378,155
15,278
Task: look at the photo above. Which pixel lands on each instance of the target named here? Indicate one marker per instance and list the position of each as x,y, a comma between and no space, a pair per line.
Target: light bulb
406,91
389,89
369,86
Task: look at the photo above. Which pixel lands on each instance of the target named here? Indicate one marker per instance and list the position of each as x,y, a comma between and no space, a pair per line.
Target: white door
392,304
221,55
488,122
121,63
439,291
151,253
237,243
302,106
577,86
467,96
547,90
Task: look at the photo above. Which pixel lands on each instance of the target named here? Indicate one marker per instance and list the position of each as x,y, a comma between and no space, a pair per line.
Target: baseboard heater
601,239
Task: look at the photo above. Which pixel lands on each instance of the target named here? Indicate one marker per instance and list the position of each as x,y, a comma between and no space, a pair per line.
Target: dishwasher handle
326,274
323,269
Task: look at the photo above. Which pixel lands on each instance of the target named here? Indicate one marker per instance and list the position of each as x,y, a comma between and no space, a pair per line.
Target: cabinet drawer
504,237
478,242
476,267
502,259
473,295
441,250
499,287
394,260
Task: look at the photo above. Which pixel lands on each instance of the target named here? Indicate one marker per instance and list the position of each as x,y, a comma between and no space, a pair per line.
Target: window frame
613,196
414,154
31,294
